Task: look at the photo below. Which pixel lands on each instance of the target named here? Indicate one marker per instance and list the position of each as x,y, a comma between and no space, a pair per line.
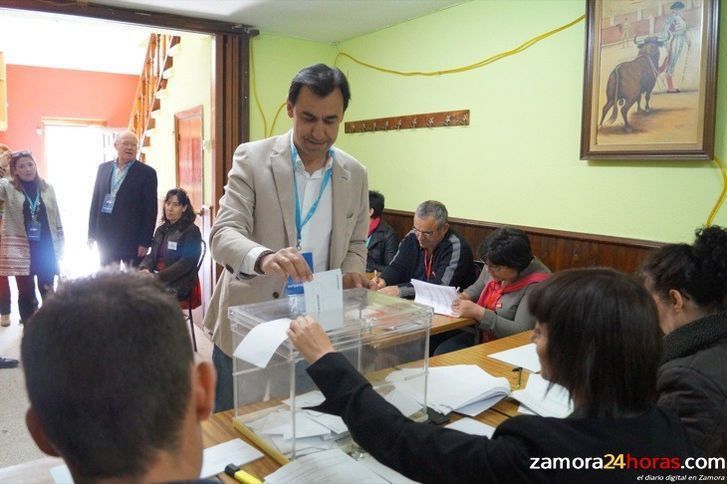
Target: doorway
73,151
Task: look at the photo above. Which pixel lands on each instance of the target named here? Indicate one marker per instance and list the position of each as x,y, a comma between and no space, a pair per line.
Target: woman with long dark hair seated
597,335
177,245
689,285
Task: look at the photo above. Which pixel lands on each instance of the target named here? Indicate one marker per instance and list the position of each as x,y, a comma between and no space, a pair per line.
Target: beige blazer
258,208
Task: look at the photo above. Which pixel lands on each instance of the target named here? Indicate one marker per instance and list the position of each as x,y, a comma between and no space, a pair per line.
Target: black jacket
381,246
692,381
131,224
453,264
180,257
427,453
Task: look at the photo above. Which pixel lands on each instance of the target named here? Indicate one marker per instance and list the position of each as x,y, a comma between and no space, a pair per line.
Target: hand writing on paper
468,309
464,296
309,338
286,262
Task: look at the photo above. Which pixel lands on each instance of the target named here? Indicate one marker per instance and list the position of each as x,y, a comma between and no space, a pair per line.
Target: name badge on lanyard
108,203
32,228
171,245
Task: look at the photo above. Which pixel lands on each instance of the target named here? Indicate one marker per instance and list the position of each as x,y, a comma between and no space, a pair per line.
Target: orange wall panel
39,92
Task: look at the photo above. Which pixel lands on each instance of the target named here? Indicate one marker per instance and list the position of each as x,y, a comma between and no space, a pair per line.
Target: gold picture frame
649,87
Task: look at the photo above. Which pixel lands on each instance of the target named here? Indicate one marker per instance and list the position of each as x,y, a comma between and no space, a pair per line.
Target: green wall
518,161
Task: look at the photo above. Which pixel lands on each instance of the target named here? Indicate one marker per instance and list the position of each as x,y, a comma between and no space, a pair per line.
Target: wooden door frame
231,73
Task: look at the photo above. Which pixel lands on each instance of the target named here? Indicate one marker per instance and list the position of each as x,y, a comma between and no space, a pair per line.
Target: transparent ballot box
385,338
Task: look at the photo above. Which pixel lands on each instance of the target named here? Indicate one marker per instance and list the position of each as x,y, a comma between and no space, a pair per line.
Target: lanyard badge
300,221
33,227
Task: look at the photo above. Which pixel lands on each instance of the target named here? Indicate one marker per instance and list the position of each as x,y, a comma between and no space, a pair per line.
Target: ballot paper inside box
378,334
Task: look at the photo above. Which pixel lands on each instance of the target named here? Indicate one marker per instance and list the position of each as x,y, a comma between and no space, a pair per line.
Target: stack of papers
467,389
314,431
523,356
537,399
334,467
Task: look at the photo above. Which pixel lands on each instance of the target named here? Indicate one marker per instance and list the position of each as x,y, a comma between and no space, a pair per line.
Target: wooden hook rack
412,121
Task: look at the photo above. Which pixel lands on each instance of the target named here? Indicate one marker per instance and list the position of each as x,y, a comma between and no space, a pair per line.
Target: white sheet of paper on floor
329,467
523,356
259,345
235,451
535,396
472,426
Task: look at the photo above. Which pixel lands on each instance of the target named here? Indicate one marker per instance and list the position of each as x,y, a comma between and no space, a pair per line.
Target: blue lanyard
298,222
33,204
117,179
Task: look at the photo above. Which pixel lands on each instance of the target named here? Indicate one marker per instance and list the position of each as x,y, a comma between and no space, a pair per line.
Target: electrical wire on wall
722,196
455,70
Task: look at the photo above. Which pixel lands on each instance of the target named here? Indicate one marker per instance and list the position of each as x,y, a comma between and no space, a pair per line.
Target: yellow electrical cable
476,65
275,119
254,89
722,196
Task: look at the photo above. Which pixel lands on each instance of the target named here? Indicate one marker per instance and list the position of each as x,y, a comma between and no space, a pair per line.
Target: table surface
218,428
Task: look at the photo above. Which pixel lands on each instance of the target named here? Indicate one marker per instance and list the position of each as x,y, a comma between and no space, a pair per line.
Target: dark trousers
4,295
223,392
27,302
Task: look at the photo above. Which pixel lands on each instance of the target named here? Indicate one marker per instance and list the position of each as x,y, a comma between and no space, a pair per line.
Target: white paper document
535,396
324,298
472,426
451,387
523,356
327,467
260,343
438,297
235,451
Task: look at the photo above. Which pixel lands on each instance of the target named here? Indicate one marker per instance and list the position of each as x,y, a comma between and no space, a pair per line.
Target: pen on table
519,370
241,476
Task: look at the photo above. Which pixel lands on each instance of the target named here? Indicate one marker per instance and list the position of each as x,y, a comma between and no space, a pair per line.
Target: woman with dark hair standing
32,234
177,245
597,335
689,285
499,297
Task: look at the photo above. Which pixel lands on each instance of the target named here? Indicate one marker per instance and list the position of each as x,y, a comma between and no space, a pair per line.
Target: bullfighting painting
649,89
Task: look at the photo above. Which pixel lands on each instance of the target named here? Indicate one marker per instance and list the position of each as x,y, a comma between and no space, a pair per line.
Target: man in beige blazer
286,195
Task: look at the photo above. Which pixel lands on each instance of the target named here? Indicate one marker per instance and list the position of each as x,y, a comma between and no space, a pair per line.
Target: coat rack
412,121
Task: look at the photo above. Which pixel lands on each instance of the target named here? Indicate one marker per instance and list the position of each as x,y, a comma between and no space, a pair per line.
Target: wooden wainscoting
558,249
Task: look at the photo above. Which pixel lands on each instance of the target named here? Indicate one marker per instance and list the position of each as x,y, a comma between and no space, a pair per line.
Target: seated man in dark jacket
430,252
382,241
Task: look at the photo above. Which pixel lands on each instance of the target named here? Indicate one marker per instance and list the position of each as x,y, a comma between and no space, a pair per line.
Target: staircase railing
151,81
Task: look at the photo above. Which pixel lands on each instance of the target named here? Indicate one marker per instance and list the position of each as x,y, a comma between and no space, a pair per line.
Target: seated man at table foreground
430,252
114,389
